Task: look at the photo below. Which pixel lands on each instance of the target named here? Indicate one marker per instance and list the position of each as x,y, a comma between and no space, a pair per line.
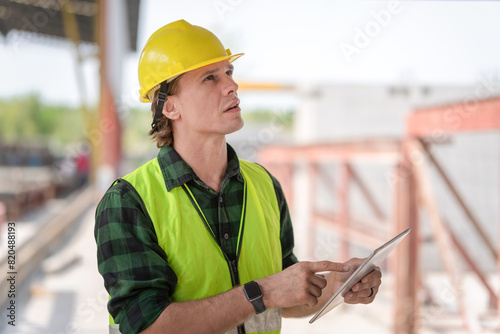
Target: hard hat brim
144,95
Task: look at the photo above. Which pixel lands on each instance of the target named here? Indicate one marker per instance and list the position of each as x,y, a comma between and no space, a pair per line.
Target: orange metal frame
411,190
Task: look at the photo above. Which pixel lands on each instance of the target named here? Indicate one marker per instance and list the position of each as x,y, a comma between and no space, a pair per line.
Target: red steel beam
472,264
343,196
108,134
374,149
442,238
356,234
406,310
467,116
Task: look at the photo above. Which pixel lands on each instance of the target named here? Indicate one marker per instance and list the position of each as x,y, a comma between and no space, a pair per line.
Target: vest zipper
235,280
234,273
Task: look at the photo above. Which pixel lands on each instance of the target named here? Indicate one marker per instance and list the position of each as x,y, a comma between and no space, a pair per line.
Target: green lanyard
205,221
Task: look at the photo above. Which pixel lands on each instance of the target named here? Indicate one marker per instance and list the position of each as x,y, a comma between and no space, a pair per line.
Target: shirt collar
177,172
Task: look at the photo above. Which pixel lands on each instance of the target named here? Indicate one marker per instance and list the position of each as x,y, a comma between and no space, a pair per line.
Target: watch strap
256,300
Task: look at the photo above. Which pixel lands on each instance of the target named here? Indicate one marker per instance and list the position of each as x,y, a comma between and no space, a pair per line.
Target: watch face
252,290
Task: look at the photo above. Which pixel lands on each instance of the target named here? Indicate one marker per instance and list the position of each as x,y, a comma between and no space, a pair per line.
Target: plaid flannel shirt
134,267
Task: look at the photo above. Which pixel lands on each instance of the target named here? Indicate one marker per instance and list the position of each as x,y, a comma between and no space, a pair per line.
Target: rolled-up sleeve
134,267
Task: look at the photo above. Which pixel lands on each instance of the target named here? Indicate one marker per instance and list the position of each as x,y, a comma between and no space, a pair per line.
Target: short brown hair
163,133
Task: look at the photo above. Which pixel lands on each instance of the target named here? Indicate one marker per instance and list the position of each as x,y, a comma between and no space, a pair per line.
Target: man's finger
373,275
364,296
315,291
327,266
318,281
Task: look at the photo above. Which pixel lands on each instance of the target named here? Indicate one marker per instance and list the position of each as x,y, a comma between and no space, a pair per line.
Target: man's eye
210,77
230,73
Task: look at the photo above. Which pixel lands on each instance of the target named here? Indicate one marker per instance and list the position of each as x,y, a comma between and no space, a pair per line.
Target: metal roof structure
58,17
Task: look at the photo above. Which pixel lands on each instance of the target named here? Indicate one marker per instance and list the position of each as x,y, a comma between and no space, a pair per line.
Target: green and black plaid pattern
134,267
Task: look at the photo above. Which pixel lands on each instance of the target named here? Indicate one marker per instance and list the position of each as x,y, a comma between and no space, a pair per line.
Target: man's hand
298,285
361,292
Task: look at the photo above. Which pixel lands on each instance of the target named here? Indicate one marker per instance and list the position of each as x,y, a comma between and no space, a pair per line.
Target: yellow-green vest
201,267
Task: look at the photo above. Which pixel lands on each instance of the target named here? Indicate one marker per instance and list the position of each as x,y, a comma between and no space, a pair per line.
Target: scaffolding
409,186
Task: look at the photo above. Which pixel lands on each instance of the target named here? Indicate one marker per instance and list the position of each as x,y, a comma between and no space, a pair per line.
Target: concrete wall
342,112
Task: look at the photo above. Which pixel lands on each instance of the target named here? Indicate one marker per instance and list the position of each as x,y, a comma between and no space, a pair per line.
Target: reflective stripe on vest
201,267
113,329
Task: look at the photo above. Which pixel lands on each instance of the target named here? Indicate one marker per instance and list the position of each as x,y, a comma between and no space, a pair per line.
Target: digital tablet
371,262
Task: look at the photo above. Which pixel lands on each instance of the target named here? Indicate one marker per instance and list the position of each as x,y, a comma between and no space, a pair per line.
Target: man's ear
169,109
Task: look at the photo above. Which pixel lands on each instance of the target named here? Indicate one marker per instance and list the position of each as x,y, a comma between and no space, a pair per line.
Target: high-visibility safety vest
183,232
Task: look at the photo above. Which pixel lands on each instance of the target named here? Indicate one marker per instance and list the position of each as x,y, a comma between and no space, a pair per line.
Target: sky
290,42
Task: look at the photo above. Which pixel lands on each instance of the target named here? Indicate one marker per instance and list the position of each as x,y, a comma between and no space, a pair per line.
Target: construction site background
359,160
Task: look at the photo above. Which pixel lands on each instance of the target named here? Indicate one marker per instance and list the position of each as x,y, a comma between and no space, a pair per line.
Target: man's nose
230,86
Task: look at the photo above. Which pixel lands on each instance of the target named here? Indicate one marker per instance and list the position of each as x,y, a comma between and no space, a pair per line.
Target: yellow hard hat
177,48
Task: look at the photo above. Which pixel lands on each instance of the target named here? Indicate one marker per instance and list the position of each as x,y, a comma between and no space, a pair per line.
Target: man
196,240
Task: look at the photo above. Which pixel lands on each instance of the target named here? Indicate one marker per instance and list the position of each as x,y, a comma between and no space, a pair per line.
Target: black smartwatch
254,296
